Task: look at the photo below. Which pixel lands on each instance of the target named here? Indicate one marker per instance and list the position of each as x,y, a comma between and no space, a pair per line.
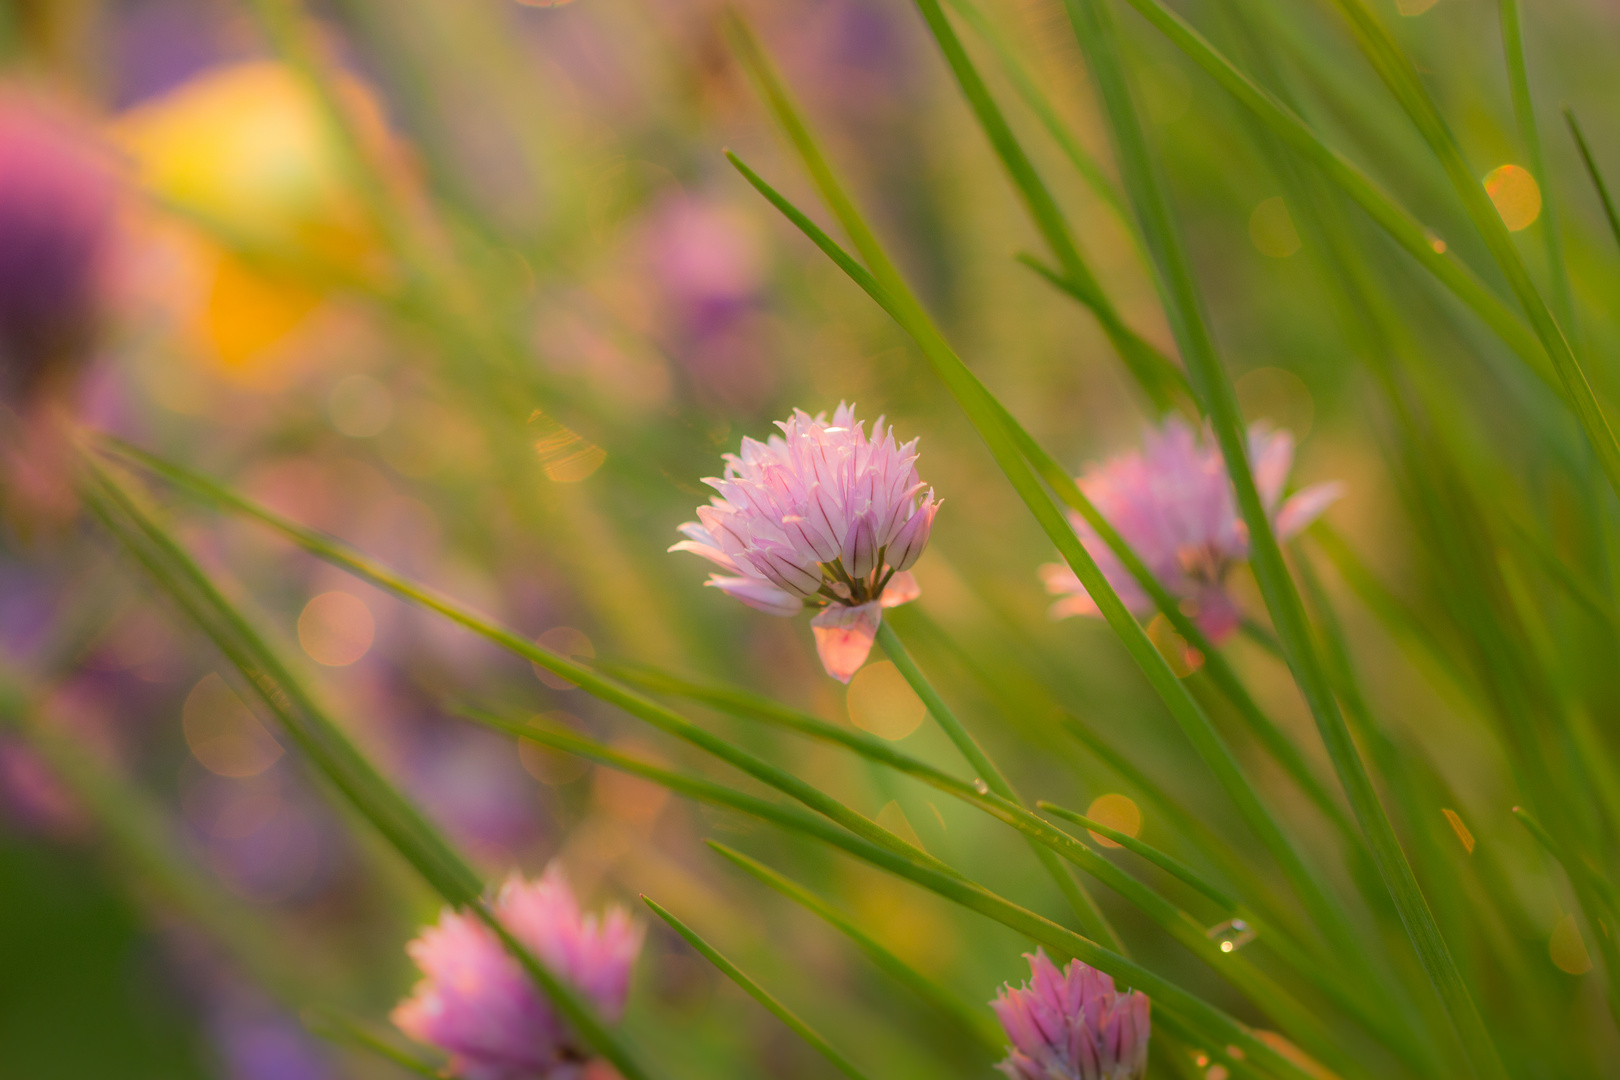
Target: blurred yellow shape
336,629
1516,194
893,818
1272,230
882,702
1182,658
1118,812
1457,826
1567,948
249,151
223,734
551,767
1410,8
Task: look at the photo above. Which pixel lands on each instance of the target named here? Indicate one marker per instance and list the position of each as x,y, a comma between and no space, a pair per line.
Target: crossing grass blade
757,992
987,418
1093,28
1592,171
1092,920
1159,378
975,1022
324,744
1214,1027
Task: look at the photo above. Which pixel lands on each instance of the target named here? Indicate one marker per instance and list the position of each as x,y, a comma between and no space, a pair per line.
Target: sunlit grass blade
1092,920
327,748
976,1022
1401,76
1094,29
343,1029
1158,377
1402,227
339,554
758,992
1214,1027
987,418
1524,113
1594,172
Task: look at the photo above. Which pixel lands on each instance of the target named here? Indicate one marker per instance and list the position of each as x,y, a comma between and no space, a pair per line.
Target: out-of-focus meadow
470,285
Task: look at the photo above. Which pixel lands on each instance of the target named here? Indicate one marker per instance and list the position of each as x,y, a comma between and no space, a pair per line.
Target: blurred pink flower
477,1003
1173,503
1072,1026
709,258
821,514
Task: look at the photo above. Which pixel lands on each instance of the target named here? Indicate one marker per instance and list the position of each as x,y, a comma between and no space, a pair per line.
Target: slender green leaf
1593,171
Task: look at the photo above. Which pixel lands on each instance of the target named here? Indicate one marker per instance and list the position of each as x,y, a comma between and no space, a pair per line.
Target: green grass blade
320,739
1401,76
338,1027
975,1021
1593,171
1524,112
1170,865
1401,226
979,406
1213,1025
758,993
1091,917
1158,377
1094,30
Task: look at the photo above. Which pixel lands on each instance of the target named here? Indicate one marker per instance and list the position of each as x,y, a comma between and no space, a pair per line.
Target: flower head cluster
1072,1025
819,515
1173,503
477,1003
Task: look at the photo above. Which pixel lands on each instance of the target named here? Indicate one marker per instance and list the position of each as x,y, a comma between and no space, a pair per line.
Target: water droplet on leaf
981,787
1231,935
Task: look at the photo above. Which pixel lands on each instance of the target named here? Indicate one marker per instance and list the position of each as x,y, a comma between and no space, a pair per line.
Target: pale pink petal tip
477,1003
844,637
761,595
902,589
1174,504
1072,1025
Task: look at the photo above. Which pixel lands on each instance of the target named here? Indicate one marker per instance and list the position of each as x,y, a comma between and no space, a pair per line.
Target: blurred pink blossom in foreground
1072,1026
477,1003
821,514
1174,505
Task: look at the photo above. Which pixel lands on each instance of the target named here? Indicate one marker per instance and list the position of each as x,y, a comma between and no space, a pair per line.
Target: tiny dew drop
1231,935
980,786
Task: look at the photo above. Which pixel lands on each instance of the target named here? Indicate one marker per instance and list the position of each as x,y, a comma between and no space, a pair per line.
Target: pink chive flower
1072,1026
1173,503
819,515
477,1003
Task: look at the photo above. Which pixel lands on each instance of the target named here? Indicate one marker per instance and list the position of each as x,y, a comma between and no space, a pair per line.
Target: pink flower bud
1073,1025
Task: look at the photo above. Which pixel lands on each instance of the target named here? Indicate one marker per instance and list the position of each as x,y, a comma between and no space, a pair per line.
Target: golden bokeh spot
880,701
1182,658
569,644
1567,948
566,456
551,767
1278,396
1118,812
1271,229
1516,194
223,734
336,629
1465,837
1435,242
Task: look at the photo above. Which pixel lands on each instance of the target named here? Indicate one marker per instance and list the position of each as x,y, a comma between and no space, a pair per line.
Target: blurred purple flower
709,259
819,513
478,1004
58,198
1173,503
33,798
1073,1025
260,1044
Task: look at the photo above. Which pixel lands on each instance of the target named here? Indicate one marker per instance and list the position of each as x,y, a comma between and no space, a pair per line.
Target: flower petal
757,594
1306,506
901,589
844,637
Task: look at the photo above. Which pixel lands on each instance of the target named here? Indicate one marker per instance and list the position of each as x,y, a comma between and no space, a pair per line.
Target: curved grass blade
1213,1026
320,739
979,406
1593,171
339,554
1095,33
757,992
976,1022
343,1029
1158,377
1092,920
